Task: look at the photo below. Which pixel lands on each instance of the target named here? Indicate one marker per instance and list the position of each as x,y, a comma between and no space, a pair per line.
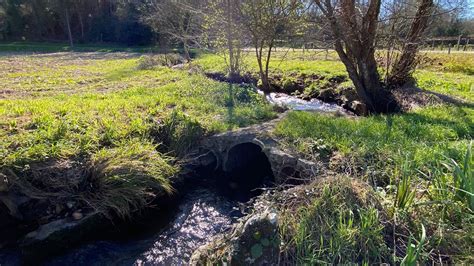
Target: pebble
70,204
77,215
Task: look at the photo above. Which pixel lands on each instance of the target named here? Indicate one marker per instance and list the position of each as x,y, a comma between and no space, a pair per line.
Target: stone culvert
253,150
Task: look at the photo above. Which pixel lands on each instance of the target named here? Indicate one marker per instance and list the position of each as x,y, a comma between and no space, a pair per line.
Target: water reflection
201,215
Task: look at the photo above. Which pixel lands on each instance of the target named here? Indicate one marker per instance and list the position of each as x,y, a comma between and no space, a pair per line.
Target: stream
201,214
171,238
295,103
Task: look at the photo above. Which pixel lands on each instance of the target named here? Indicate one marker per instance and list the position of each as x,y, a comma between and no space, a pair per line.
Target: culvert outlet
246,170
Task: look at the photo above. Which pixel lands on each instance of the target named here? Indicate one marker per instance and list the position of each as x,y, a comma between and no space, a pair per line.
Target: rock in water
254,241
359,108
57,236
77,215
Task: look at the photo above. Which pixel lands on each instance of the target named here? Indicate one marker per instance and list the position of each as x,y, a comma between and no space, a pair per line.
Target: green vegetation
126,178
403,156
333,222
95,107
129,119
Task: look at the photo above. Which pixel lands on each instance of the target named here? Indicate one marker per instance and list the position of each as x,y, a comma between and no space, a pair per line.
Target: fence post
449,49
466,44
459,42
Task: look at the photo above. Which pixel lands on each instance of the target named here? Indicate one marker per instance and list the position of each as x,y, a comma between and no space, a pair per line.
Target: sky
470,11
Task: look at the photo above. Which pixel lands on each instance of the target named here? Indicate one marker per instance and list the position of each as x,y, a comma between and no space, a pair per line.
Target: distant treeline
85,21
122,22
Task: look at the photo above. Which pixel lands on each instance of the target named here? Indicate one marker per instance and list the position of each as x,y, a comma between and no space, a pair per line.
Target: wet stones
58,235
253,241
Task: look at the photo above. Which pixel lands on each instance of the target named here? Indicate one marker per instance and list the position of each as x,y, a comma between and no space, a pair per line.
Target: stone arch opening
246,170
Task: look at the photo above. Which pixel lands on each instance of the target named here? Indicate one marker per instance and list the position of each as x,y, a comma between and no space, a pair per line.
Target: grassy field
448,74
74,106
127,126
420,163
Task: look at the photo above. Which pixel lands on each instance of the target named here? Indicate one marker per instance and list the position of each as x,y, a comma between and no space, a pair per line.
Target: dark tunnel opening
246,171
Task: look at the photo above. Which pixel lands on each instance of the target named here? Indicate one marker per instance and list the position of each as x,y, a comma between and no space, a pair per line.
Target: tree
180,20
63,8
354,29
225,32
267,20
3,23
404,66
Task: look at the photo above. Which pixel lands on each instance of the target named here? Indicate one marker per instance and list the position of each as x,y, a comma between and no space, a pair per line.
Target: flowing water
201,214
295,103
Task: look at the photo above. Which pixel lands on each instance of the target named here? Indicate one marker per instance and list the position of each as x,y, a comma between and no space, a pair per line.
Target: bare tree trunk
77,6
263,77
401,71
81,23
187,56
267,62
355,45
230,46
68,25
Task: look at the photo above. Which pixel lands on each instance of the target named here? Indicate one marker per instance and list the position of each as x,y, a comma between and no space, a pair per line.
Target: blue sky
470,11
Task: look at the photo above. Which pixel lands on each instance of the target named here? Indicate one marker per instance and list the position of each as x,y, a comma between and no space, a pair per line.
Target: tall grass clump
177,133
334,221
126,178
405,191
452,181
464,178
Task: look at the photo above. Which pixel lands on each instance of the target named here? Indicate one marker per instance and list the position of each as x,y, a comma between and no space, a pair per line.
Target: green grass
129,127
457,84
334,221
425,135
404,156
281,63
69,108
453,77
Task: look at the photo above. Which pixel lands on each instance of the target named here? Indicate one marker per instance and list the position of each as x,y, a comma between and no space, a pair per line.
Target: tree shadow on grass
414,95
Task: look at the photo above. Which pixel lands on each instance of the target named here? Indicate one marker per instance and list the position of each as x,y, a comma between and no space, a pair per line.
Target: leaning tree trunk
403,68
363,75
355,45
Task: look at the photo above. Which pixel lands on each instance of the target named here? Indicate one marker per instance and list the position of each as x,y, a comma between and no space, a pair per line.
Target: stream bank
230,168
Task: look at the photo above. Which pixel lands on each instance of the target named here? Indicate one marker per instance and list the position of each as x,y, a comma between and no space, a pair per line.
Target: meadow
419,163
131,126
82,106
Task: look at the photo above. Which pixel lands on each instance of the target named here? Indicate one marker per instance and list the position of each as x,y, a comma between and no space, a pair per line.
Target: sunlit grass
97,109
